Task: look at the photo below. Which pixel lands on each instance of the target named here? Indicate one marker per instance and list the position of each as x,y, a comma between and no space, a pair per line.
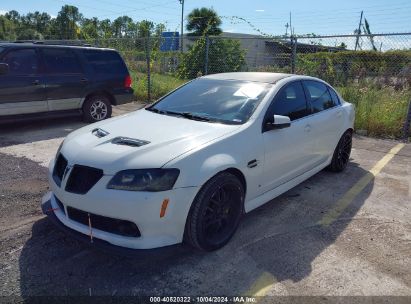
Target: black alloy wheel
216,212
342,153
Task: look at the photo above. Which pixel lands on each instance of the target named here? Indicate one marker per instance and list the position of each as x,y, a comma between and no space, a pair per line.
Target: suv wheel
96,108
215,213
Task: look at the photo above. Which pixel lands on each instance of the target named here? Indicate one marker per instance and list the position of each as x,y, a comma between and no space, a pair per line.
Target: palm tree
203,21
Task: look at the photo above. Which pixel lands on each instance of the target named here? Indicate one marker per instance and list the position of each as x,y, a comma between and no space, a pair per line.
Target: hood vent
132,142
99,132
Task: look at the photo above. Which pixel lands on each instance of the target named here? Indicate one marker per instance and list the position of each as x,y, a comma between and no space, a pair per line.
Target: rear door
327,118
65,79
22,89
288,151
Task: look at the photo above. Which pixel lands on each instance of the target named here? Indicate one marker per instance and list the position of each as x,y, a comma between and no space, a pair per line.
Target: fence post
407,123
148,69
293,53
207,44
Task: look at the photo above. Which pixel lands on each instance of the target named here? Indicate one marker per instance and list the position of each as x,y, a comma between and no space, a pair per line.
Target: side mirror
4,68
277,122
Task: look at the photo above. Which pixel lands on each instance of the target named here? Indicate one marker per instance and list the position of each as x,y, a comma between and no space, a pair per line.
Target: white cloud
229,31
260,10
3,12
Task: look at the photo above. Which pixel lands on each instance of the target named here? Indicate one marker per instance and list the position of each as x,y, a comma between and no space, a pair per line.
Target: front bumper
47,209
141,208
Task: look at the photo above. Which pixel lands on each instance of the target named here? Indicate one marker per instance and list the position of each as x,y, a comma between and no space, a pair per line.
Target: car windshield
225,101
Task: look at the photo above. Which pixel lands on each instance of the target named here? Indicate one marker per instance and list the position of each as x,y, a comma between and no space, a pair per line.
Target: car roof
40,45
250,76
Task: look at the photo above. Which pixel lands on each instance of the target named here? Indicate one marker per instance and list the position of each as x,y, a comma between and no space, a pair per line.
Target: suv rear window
106,62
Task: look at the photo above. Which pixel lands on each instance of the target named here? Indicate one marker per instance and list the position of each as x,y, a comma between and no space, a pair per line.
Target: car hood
162,139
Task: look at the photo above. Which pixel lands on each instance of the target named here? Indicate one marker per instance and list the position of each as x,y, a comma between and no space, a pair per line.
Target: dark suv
39,79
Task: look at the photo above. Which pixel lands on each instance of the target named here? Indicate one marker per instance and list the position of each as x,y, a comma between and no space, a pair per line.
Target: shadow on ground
282,238
33,130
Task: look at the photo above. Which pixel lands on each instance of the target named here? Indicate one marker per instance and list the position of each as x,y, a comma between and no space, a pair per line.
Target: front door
288,152
22,89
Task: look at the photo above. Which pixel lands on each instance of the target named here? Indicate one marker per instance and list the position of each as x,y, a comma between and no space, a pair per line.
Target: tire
215,213
96,108
342,153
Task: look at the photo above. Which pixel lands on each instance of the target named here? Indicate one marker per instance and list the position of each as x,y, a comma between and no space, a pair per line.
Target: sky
270,17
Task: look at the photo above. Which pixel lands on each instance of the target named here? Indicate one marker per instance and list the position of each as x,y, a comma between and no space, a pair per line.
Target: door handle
83,80
307,128
36,82
339,113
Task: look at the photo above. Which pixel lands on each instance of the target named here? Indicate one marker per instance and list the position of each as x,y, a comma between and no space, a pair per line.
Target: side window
334,96
290,101
319,96
61,61
106,62
21,62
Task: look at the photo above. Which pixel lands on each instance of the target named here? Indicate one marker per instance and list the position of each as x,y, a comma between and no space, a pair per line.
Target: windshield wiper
187,115
155,110
192,116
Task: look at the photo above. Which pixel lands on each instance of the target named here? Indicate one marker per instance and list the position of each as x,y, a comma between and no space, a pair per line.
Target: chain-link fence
372,71
384,59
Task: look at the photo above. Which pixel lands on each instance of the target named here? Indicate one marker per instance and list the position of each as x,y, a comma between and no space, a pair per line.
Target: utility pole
182,26
359,31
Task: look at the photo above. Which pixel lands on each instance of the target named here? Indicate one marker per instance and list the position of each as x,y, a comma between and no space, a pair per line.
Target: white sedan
186,168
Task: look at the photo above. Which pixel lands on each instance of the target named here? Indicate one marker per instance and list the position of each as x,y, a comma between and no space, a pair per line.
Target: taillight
127,82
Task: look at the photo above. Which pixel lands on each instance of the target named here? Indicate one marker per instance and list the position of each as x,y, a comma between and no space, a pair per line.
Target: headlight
152,180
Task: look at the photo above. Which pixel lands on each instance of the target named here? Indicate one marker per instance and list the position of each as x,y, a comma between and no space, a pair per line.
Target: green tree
342,46
105,29
90,28
13,16
35,25
203,21
67,22
123,27
224,55
29,34
7,29
145,28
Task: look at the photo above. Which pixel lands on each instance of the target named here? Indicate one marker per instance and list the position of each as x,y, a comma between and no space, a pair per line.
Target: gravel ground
280,249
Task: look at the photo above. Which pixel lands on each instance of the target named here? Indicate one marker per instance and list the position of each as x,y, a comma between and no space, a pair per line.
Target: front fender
209,167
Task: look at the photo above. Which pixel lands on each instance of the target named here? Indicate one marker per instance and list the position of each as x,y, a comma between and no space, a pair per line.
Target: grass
161,85
380,111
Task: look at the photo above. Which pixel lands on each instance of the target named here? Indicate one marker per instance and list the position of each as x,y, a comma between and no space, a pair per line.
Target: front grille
108,224
82,179
60,204
59,168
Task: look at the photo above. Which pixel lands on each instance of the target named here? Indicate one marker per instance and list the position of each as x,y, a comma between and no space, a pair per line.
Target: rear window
106,62
319,96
